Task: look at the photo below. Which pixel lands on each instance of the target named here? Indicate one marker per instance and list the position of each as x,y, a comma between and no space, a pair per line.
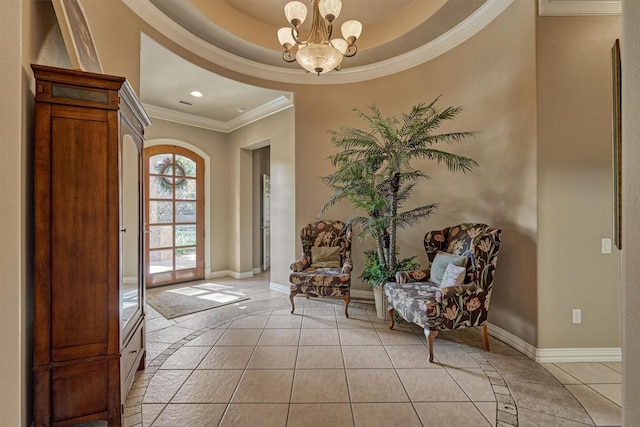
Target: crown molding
184,118
279,104
469,27
579,7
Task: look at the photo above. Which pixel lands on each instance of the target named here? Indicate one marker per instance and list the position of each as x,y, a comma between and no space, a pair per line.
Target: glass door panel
175,215
130,216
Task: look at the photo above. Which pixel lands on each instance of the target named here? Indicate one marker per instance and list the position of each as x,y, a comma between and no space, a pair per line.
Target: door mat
185,298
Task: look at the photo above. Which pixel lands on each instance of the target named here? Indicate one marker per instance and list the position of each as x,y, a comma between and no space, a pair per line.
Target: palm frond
414,216
373,168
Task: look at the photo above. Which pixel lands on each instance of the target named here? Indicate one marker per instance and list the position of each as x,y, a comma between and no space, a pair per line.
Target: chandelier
319,53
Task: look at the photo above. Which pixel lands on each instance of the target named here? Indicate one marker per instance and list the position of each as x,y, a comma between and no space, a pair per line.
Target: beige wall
29,35
494,78
630,47
575,183
277,131
13,332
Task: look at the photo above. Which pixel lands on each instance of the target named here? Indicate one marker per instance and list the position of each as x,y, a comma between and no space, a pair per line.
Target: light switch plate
577,315
606,246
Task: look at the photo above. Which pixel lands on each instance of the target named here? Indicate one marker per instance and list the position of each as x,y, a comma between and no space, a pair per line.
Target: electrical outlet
577,315
606,246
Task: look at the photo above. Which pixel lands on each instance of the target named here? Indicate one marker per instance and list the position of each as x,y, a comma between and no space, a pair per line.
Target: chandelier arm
295,34
288,56
351,51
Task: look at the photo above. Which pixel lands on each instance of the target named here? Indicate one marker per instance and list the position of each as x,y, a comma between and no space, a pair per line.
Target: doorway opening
262,211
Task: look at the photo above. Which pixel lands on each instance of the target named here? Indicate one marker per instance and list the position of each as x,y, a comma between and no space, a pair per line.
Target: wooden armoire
89,334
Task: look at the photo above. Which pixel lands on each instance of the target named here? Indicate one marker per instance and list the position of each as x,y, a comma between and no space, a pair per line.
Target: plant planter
381,302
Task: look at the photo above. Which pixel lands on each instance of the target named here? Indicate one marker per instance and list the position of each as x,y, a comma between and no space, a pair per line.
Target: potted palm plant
374,172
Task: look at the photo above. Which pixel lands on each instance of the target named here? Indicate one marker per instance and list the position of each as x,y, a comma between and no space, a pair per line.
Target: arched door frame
207,192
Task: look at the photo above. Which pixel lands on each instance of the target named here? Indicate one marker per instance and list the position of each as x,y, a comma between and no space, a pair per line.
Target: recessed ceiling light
196,94
240,109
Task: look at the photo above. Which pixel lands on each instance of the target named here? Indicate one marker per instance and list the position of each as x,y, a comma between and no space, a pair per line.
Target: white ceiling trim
469,27
449,40
183,118
279,104
579,7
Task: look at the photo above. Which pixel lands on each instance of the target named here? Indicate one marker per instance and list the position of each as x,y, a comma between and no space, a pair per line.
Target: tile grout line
505,413
506,408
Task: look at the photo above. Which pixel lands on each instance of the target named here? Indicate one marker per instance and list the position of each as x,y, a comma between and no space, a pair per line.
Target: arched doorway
174,215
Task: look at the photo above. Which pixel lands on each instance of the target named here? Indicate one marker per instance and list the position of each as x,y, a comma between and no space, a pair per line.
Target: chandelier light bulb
340,44
351,29
330,9
285,37
296,13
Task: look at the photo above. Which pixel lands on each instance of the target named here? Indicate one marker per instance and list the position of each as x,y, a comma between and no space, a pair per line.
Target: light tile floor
255,364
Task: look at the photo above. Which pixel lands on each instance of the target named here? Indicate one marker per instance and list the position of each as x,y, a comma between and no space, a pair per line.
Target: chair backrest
327,233
478,242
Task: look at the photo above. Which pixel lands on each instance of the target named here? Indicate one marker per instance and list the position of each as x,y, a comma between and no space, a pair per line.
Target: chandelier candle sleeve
319,53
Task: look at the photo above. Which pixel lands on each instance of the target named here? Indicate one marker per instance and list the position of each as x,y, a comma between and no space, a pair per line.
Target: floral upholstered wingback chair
324,270
449,302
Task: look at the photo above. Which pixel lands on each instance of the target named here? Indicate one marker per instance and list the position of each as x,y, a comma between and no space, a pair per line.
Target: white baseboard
257,270
559,355
280,288
362,294
229,273
556,355
514,341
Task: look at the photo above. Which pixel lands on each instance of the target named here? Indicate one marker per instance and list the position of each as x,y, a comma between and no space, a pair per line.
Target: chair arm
413,276
347,266
454,292
300,264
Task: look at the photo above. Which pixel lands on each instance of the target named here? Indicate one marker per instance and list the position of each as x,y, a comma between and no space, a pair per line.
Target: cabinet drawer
130,358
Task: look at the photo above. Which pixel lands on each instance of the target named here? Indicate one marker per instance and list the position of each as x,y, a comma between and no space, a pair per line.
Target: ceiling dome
241,35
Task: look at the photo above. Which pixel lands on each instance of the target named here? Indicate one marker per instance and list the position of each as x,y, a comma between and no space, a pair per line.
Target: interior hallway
253,363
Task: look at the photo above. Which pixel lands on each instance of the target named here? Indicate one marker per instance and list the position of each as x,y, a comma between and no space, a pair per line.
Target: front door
174,215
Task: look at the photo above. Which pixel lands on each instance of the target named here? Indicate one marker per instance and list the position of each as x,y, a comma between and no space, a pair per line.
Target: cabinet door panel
79,389
79,234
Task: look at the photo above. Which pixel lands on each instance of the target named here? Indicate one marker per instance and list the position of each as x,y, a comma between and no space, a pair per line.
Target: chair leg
346,305
293,307
392,323
485,337
431,337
